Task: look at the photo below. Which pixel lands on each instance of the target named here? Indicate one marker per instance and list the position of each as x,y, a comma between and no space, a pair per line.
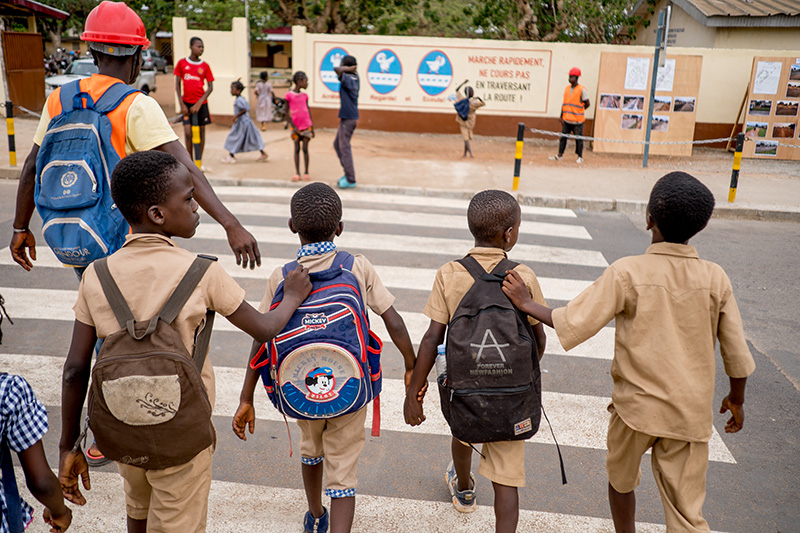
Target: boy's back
669,307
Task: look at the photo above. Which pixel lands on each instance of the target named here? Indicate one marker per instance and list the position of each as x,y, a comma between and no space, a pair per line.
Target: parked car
83,68
152,60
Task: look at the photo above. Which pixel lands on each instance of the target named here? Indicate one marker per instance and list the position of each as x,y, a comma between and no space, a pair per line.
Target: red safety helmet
115,22
575,71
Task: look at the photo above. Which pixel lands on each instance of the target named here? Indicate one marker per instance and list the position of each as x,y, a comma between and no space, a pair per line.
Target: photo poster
772,119
623,94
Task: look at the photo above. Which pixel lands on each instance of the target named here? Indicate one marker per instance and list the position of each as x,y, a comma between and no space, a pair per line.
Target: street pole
661,47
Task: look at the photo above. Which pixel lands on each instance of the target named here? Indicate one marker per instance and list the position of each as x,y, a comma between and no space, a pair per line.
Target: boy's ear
650,222
339,228
155,215
291,226
507,234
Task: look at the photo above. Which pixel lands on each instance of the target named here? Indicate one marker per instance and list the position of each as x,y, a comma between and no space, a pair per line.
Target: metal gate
24,58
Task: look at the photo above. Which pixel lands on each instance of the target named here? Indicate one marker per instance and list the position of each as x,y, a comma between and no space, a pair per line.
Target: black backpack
492,390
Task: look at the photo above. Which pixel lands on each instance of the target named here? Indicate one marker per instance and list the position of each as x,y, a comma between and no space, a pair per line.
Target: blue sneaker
464,501
344,184
316,525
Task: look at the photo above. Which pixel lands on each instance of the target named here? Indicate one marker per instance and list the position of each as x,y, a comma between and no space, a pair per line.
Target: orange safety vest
96,86
572,110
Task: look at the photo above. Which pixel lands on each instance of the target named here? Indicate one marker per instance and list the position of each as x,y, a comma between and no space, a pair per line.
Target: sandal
296,177
263,157
96,460
306,177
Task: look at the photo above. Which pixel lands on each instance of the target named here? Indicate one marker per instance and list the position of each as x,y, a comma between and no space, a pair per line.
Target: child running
299,118
316,216
494,218
669,308
154,193
23,423
264,95
244,136
467,124
198,82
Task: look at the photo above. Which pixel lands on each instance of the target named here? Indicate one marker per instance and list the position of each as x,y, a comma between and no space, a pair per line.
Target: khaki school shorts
503,462
466,133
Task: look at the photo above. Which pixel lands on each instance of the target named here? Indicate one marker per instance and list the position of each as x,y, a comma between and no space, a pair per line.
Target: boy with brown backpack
152,391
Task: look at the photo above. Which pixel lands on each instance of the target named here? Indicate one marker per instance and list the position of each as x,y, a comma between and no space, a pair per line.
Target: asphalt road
752,480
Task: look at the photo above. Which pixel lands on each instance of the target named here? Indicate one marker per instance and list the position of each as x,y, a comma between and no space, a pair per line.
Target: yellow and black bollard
12,143
196,140
518,155
737,163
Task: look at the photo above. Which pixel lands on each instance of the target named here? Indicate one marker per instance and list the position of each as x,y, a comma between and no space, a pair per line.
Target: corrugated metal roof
738,13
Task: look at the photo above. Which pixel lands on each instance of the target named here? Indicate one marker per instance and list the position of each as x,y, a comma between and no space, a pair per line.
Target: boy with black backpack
491,390
324,367
466,105
152,388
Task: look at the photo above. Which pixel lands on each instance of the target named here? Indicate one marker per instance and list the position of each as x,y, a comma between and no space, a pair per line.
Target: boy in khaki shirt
332,444
669,307
494,218
154,193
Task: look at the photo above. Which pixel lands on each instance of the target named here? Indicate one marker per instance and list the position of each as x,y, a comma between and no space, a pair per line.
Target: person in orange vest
576,102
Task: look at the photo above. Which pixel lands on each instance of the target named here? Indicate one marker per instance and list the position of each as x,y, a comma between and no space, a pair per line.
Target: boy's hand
19,243
412,411
70,466
407,381
297,284
515,289
736,421
59,523
195,108
245,416
184,109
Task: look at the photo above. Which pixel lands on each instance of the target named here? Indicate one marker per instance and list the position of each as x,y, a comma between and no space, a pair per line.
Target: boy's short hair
348,61
141,180
490,213
316,212
680,206
194,40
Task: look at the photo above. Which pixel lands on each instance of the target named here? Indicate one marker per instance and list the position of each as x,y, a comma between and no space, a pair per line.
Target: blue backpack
462,108
326,362
80,222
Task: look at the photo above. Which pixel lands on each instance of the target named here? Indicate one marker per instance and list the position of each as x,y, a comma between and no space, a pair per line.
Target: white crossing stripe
416,245
242,507
393,277
56,304
407,218
578,420
385,198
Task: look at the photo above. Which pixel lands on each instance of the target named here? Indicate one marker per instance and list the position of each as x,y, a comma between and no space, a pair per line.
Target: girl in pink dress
299,118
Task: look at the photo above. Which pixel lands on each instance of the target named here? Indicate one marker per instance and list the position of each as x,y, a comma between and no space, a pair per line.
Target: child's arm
541,338
246,414
342,70
412,410
734,402
517,292
74,383
462,84
184,109
238,115
44,486
399,334
263,327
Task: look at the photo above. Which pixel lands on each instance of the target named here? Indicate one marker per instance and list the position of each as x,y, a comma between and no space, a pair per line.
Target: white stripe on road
393,277
408,218
413,244
56,304
242,507
387,198
578,420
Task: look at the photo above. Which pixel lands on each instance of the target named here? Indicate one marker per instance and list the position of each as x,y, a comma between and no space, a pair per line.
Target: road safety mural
385,71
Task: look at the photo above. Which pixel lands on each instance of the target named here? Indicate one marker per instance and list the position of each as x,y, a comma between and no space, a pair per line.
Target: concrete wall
226,52
683,30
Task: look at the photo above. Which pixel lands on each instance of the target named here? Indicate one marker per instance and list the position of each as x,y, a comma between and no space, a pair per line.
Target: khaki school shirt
453,281
147,269
474,104
375,295
669,307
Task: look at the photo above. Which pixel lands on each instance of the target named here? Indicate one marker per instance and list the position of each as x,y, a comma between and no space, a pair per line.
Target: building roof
24,8
740,13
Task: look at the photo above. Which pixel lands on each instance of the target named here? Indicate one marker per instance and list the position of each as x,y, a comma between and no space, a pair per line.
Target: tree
78,11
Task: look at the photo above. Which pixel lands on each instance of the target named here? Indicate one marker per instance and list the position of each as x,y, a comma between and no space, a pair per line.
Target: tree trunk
55,36
527,24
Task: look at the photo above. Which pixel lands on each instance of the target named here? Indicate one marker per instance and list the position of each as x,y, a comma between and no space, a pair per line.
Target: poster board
773,109
623,97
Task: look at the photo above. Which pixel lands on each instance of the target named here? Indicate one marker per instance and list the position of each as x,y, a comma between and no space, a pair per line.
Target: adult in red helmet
116,37
576,102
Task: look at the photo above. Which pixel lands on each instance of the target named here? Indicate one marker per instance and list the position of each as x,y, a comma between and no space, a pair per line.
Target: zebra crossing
407,238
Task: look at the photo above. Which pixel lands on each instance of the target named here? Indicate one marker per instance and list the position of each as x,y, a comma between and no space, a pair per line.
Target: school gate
23,53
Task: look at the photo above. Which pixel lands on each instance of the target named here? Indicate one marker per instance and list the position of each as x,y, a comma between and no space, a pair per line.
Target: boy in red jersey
195,75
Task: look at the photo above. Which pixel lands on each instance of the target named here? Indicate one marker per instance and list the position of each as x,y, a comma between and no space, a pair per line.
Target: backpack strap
115,299
72,97
502,266
113,97
472,266
13,501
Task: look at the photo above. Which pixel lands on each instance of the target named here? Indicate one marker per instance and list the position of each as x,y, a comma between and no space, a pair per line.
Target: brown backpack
147,404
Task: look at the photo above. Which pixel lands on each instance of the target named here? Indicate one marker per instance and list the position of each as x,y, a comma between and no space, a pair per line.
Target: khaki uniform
502,462
338,440
147,269
669,308
467,126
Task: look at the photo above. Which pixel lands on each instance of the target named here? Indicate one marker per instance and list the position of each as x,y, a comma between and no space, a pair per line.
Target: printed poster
636,73
768,75
666,76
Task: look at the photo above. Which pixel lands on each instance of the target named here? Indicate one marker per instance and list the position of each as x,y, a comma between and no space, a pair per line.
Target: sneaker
228,160
579,160
96,459
316,525
555,158
344,184
464,501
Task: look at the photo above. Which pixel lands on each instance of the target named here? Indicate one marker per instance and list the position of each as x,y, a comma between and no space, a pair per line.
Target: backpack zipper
97,136
82,224
499,391
63,163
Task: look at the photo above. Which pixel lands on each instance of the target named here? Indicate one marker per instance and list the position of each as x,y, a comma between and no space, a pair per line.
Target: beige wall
683,30
226,52
760,38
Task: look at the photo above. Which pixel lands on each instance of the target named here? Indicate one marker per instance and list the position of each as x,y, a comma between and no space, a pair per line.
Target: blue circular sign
435,72
331,60
385,71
